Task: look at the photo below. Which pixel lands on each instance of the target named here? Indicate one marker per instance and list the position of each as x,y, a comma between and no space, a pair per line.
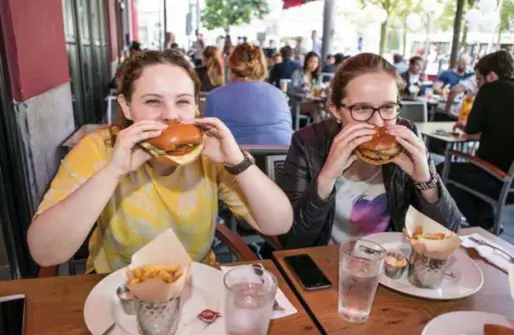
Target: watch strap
242,166
432,183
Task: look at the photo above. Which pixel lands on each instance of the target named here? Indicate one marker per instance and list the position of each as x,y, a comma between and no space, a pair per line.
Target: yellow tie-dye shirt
145,204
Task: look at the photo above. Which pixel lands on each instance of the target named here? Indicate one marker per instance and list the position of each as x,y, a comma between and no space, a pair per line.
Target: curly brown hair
247,61
356,66
132,68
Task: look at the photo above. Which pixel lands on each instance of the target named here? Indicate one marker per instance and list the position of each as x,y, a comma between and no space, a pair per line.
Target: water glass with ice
360,264
249,297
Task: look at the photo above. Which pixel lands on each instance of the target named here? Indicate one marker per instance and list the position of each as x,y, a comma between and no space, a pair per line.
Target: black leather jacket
313,216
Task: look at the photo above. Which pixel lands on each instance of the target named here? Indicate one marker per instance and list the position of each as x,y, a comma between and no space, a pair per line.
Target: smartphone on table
12,314
307,272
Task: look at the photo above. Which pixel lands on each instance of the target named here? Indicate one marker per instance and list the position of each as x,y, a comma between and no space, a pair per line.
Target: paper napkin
495,257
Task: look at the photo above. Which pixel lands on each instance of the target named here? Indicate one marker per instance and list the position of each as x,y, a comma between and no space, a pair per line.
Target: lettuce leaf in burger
381,149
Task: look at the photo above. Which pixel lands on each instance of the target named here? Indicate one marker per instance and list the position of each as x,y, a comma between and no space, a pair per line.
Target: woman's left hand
413,160
219,143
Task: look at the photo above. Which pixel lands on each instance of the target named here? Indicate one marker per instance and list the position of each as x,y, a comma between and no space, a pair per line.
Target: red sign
294,3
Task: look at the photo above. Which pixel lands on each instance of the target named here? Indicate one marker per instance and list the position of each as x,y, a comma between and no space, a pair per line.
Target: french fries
418,234
166,273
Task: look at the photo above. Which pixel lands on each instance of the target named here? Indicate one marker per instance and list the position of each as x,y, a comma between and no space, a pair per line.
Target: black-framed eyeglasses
362,112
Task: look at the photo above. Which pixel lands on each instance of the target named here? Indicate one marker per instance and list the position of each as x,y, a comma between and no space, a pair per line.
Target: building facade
57,61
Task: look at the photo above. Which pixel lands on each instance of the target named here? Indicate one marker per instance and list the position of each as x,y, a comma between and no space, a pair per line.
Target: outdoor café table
299,98
55,305
394,312
429,130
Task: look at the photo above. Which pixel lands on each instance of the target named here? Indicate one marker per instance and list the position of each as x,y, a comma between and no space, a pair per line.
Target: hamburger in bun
179,144
381,149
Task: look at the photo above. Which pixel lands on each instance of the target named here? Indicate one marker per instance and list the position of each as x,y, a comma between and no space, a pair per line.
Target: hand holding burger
179,144
219,143
182,142
413,159
400,145
341,154
127,156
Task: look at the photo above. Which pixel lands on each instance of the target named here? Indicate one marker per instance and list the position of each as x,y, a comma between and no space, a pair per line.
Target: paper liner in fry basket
416,222
165,249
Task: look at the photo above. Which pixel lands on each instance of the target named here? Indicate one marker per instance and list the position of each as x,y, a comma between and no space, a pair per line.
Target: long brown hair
356,66
215,70
248,62
132,68
317,71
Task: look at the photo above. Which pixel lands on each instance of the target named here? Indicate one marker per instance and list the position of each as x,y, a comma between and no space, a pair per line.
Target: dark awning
294,3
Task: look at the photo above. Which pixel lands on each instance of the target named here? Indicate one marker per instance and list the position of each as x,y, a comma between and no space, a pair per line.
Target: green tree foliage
227,13
402,11
507,16
397,11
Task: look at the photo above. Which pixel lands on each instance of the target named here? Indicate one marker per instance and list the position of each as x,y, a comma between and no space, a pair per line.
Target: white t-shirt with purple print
361,208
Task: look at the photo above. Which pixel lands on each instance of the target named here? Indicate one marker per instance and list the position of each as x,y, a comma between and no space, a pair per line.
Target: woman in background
307,77
211,74
256,112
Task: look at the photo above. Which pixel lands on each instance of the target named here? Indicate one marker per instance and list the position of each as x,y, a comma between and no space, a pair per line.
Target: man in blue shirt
452,77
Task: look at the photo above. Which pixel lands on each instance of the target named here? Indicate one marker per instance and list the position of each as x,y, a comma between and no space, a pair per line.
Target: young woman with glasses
335,195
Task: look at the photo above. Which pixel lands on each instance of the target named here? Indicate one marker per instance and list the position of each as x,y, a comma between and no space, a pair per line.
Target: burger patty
183,148
380,154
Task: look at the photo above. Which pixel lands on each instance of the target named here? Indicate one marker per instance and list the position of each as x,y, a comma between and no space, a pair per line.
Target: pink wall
113,37
35,46
135,24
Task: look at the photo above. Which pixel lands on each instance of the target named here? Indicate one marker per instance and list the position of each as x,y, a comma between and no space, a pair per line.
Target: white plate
468,276
102,306
464,323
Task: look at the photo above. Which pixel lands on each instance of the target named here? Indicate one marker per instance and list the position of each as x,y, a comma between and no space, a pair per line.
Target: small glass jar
158,318
426,272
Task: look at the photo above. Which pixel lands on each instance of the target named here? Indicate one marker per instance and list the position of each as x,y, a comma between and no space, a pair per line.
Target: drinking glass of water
360,265
249,297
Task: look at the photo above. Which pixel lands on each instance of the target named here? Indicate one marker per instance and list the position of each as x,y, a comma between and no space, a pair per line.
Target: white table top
429,129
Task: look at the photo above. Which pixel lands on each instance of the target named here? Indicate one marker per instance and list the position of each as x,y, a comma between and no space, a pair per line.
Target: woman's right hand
341,156
127,156
461,125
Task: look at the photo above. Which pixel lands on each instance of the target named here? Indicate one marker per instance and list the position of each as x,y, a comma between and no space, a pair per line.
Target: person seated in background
255,111
212,73
467,86
399,63
334,194
492,116
308,76
414,78
329,66
110,180
451,77
303,81
285,69
274,60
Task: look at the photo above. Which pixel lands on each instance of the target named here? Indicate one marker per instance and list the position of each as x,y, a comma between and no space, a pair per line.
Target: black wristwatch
432,183
243,165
